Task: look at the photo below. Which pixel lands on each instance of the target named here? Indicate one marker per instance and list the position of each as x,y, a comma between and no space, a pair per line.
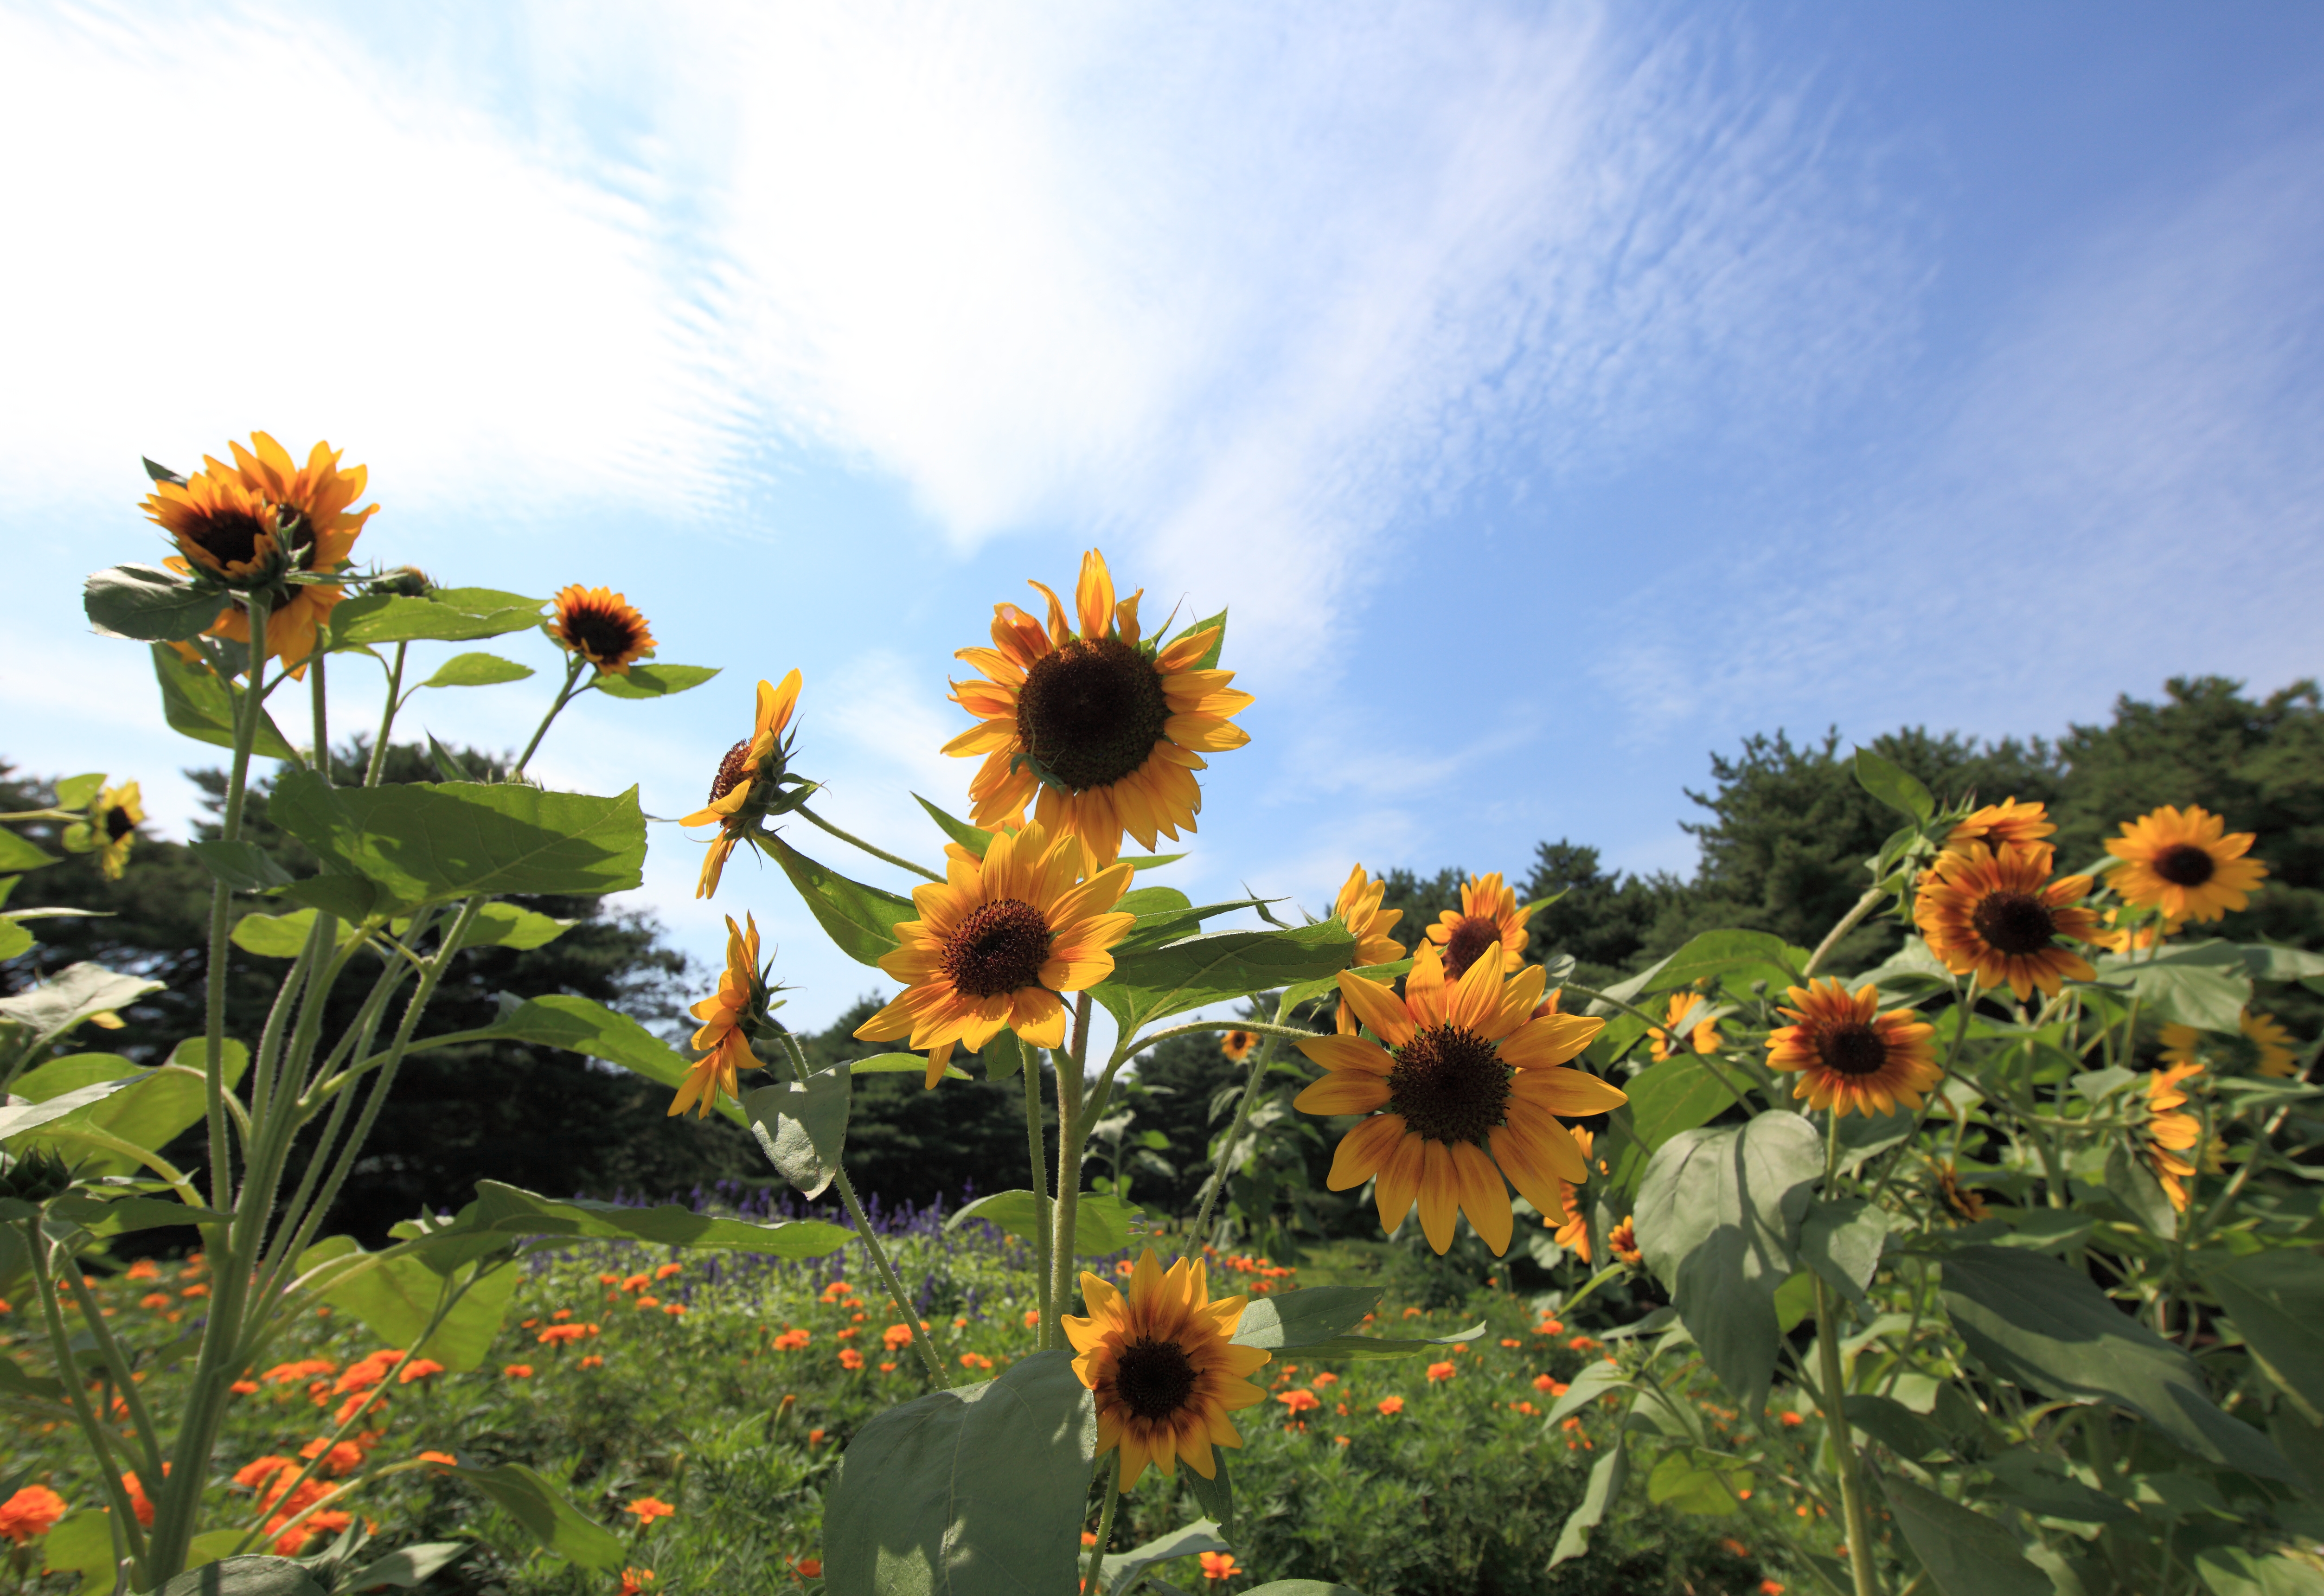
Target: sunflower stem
1105,1525
246,734
565,695
1848,922
1070,1084
1261,1057
124,1518
322,716
378,766
849,838
1835,1402
1031,1071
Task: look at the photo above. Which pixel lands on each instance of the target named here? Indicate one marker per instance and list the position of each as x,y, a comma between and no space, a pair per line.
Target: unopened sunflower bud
35,1177
404,582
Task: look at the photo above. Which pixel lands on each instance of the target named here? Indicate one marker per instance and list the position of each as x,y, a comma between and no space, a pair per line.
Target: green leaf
975,838
1003,1056
14,938
448,615
74,993
18,1119
1302,1588
2276,1299
2205,984
75,792
1215,1495
283,935
151,603
2231,1570
649,680
1675,1095
504,1210
1718,1216
916,1064
349,898
1302,991
2036,1484
1166,914
1607,1477
248,1576
200,703
422,842
1374,1349
2030,1319
579,1024
2132,1185
16,854
1841,1242
2264,960
1115,1573
1895,1425
243,867
477,670
978,1488
1895,786
1218,967
406,1566
395,1297
1210,659
1965,1552
1302,1318
1103,1222
860,920
121,1215
1684,1485
1595,1380
82,1544
802,1129
555,1522
1740,956
520,930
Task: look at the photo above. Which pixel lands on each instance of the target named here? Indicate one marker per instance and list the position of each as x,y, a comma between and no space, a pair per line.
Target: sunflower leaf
151,603
243,867
477,670
1373,1349
2130,1183
861,920
2205,984
975,838
1840,1240
802,1129
1302,991
172,1099
1306,1317
1210,659
198,703
1215,1495
1116,1572
1965,1552
1103,1222
1895,786
556,1523
507,1210
581,1026
396,1296
254,1574
2276,1299
1607,1475
649,680
1222,965
446,614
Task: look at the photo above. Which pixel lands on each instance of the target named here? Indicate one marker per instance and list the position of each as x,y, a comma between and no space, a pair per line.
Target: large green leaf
1302,1318
477,670
243,867
1894,786
802,1129
69,997
581,1025
82,1544
974,1491
1302,991
1683,1482
16,854
172,1098
2030,1319
421,842
1373,1349
1841,1241
861,920
396,1296
1739,956
1966,1553
504,1210
1115,1573
198,702
2205,984
248,1576
2023,1477
2231,1570
1717,1217
284,935
18,1120
1675,1095
448,615
151,603
1607,1477
1103,1222
1219,967
1166,914
649,680
2276,1300
543,1510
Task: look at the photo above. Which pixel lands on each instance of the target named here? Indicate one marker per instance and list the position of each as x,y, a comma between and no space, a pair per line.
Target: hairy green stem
378,765
1848,922
248,712
1835,1404
100,1436
1031,1071
1071,1129
142,1427
1105,1525
898,860
565,695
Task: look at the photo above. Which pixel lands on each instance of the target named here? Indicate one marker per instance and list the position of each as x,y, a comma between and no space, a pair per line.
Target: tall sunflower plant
2003,1249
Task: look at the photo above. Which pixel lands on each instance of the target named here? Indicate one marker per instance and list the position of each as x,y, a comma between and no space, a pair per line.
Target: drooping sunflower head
1161,1362
223,528
1852,1057
2262,1046
600,626
1236,1045
1098,729
728,1017
2184,862
1622,1241
113,822
2171,1134
1462,1083
1687,1016
1998,916
1571,1218
749,784
997,941
1488,922
2008,821
1959,1201
1358,909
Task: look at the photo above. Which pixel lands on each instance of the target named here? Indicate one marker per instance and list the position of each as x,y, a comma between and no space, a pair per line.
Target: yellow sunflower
113,822
1163,1366
724,1047
997,942
1962,1202
1488,914
1999,917
1997,825
1852,1058
600,625
1571,1219
746,779
2118,937
2171,1134
1703,1035
1622,1241
1466,1077
1101,731
2266,1047
2185,862
1358,909
1236,1045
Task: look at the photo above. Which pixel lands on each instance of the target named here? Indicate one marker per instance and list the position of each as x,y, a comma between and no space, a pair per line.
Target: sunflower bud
34,1177
404,582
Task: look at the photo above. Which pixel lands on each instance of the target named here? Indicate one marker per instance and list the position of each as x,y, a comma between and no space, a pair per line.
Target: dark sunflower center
1854,1049
999,948
600,635
2014,923
2185,865
117,824
1090,713
1450,1084
732,771
230,538
1469,938
1154,1378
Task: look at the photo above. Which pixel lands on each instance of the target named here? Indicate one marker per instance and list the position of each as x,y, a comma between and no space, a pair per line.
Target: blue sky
1552,393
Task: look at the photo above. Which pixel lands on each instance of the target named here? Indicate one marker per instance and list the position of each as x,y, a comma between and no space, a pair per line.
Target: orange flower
518,1371
445,1458
418,1369
1488,918
635,1579
599,625
791,1341
724,1046
810,1568
850,1359
1440,1371
1299,1401
648,1509
1999,917
2171,1135
561,1335
138,1502
338,1461
1702,1034
1236,1045
1573,1232
1852,1058
1623,1243
2184,862
245,1388
1219,1565
1390,1407
593,1362
29,1514
1999,824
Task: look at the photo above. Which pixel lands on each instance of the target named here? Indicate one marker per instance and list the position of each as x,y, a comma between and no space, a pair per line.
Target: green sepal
975,838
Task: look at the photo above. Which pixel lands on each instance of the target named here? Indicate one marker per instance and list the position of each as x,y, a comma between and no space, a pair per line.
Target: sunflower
997,942
745,783
1622,1241
1703,1036
2007,821
2266,1047
2171,1134
1101,731
1574,1232
1852,1058
1962,1202
1236,1045
2185,862
600,625
724,1047
1358,909
1488,914
1999,917
2119,937
1163,1367
113,822
1467,1077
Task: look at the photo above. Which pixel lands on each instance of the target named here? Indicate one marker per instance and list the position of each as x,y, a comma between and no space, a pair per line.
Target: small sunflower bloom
2172,1134
2184,862
601,626
2265,1047
1852,1057
1236,1045
1997,825
111,826
1488,918
997,942
721,1040
1701,1035
1101,731
1570,1220
1998,916
2117,936
1161,1364
29,1514
1622,1241
1468,1081
1358,909
1962,1202
748,777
